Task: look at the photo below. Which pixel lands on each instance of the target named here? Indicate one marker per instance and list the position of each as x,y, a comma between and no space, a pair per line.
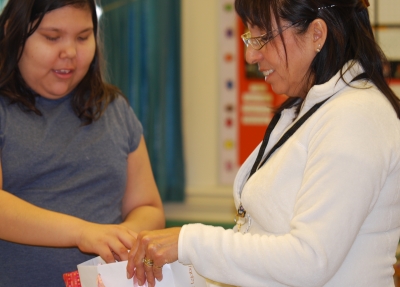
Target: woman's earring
319,48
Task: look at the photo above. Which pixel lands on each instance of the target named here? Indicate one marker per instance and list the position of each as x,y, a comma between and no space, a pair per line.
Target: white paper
168,278
114,275
88,270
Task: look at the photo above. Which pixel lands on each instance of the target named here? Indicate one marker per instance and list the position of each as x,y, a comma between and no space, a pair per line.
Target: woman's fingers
150,252
131,266
148,268
135,262
157,271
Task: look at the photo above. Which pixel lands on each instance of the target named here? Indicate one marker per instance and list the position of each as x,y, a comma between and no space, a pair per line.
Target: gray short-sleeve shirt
56,163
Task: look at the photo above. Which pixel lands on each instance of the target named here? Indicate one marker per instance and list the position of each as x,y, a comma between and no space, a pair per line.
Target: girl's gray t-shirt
54,162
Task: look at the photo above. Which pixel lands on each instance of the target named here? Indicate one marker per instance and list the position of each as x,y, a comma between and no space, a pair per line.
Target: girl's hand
111,242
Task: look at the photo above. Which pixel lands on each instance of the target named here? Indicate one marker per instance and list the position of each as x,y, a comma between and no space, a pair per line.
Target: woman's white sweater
324,209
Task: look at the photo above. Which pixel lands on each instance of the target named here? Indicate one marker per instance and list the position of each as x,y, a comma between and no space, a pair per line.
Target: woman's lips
267,73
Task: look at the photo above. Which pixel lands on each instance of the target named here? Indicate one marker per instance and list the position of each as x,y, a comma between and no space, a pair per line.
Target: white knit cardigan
325,208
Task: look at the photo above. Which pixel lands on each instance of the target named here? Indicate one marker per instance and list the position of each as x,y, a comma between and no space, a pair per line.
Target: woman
318,201
76,179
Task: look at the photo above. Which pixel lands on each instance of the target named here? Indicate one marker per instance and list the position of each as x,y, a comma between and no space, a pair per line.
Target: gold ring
148,262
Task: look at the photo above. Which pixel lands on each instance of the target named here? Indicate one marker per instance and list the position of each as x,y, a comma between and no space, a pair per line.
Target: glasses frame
260,41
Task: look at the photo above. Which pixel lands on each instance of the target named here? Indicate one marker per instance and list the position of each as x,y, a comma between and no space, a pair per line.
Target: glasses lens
255,43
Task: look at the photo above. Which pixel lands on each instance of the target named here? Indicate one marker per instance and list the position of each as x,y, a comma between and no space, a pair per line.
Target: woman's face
289,76
58,54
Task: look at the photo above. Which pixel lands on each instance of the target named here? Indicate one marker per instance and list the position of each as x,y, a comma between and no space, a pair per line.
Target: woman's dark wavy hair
19,20
349,37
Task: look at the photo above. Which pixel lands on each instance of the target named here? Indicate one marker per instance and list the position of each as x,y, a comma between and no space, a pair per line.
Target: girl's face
58,54
289,76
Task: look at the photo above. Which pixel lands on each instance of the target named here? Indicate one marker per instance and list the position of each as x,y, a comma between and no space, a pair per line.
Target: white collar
319,93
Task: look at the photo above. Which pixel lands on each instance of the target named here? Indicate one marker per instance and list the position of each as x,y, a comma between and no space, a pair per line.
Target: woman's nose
253,56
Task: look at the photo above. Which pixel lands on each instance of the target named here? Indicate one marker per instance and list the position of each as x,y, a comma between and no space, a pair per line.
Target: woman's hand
111,242
157,247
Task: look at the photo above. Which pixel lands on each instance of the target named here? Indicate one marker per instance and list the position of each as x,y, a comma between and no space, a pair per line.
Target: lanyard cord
267,134
283,139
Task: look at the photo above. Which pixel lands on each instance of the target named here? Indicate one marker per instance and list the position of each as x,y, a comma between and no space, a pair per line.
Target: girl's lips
63,73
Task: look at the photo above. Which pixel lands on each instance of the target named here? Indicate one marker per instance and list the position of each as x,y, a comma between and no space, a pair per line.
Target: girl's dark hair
19,20
349,37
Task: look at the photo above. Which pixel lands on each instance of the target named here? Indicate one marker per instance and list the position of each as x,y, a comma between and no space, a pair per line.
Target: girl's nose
68,50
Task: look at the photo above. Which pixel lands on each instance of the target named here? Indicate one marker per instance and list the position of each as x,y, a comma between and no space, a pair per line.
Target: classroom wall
206,199
200,90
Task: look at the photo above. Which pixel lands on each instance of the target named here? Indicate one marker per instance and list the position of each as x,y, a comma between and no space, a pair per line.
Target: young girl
76,179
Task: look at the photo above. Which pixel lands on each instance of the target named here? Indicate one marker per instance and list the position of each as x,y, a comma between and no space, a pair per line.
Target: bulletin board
246,101
385,18
228,91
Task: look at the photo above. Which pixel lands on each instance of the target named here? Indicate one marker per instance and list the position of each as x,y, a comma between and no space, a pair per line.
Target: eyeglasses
258,42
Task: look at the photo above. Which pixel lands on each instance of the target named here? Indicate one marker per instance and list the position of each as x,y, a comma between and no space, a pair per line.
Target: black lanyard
283,139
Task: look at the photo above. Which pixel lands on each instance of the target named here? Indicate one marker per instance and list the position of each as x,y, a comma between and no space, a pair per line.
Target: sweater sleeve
348,161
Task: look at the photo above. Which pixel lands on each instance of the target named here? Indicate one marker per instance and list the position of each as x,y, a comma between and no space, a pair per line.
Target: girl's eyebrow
53,29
